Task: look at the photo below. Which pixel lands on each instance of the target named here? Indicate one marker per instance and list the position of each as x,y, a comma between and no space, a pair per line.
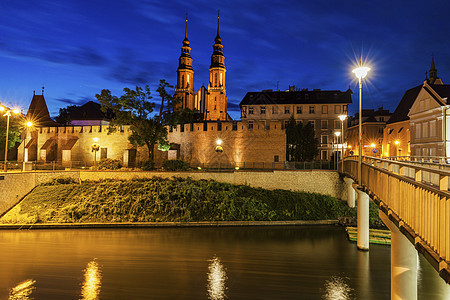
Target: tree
135,108
15,129
64,115
302,145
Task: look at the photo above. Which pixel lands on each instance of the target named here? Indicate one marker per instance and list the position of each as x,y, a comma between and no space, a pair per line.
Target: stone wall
14,186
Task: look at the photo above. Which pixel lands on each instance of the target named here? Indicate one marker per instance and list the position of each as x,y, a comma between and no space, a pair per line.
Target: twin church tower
211,102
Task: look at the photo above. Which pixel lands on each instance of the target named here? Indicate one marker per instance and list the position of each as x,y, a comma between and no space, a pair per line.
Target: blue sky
77,48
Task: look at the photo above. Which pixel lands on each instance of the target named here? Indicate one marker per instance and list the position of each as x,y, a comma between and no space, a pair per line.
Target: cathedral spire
433,71
218,40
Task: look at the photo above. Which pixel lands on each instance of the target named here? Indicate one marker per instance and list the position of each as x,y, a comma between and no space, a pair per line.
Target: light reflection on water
217,277
337,289
92,281
23,290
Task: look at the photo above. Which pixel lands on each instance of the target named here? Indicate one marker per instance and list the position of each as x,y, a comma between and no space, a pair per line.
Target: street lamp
397,143
219,149
360,73
337,133
28,125
95,147
7,114
342,118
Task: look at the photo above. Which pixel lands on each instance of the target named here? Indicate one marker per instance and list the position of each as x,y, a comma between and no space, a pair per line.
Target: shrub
109,164
175,165
147,165
61,180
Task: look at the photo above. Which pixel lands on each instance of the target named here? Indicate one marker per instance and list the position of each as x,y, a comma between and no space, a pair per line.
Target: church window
215,79
182,81
221,79
263,110
250,110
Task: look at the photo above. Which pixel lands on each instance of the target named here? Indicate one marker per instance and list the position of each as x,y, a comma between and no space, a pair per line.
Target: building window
286,124
312,123
250,110
263,110
425,130
276,158
345,109
298,122
274,110
250,125
433,128
244,111
418,131
234,126
286,109
299,110
324,124
324,109
215,79
324,139
337,124
337,109
312,110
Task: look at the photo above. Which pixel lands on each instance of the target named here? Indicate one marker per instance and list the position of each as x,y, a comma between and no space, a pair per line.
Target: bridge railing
417,195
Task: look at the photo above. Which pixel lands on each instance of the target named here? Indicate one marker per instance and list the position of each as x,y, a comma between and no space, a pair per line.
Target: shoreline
164,224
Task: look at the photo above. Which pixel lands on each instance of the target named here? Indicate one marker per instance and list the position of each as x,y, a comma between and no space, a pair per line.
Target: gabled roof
297,97
403,107
89,111
38,112
443,90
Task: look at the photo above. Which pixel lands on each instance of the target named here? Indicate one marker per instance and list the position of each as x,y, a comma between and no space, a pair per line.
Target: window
324,124
324,109
298,122
274,110
337,109
425,130
312,123
276,158
299,110
234,126
215,79
345,109
286,109
312,109
432,128
286,124
324,139
418,131
244,111
250,125
263,110
250,110
337,124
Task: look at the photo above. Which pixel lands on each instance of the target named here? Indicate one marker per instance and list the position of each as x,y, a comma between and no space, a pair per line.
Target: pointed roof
90,111
186,40
218,40
38,112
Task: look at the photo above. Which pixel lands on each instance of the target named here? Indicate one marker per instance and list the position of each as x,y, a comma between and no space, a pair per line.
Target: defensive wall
14,186
195,143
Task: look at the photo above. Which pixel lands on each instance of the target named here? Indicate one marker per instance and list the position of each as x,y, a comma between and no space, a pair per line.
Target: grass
168,200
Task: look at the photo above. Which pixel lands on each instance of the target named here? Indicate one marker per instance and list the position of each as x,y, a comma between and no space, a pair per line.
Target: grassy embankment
168,200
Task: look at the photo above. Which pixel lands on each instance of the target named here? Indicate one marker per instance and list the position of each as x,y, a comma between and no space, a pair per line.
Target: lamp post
28,125
337,133
360,73
95,147
342,118
7,114
219,149
397,144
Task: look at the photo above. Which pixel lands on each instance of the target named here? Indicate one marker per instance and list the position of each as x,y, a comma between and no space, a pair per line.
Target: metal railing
417,195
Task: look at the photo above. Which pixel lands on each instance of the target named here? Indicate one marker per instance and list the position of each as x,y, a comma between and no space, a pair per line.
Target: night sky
76,48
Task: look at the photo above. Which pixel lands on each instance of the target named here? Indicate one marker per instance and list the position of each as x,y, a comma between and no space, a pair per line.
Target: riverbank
176,201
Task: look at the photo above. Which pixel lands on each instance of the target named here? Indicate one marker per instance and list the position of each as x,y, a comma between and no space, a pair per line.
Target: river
199,263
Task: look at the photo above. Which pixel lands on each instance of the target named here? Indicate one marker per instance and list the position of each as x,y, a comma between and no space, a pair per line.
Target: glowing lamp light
219,142
397,142
337,133
29,124
16,111
236,168
2,108
372,145
342,117
199,168
361,72
96,139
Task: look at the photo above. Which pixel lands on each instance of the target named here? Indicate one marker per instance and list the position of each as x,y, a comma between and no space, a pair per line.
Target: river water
198,263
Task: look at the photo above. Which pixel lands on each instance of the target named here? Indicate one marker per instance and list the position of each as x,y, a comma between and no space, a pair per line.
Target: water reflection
337,289
92,281
217,278
23,290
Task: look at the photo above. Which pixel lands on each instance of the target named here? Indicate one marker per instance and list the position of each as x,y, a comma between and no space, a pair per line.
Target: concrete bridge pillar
350,192
362,220
403,263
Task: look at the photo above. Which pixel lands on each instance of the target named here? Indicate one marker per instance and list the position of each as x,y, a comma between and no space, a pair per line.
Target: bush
61,180
147,165
175,165
109,164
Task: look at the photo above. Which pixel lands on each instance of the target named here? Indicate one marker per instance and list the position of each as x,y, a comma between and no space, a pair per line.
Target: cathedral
211,103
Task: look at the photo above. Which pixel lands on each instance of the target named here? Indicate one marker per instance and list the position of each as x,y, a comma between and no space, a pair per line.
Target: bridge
414,202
